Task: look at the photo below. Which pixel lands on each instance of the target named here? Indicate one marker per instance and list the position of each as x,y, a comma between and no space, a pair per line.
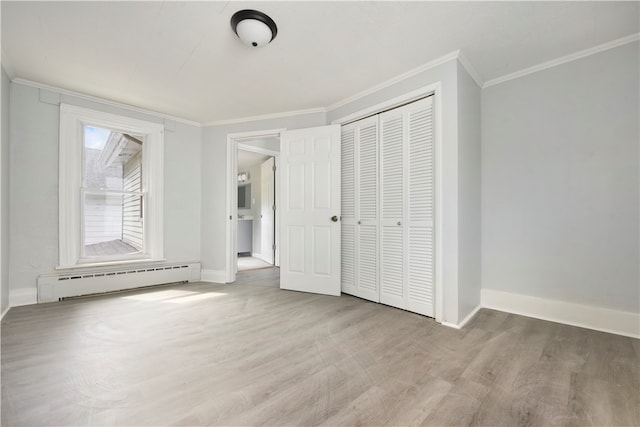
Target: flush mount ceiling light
253,27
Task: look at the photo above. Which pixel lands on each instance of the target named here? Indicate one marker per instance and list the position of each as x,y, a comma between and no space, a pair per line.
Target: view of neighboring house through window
111,187
112,197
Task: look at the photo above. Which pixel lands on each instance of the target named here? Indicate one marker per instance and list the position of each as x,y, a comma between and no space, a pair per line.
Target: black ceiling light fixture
253,27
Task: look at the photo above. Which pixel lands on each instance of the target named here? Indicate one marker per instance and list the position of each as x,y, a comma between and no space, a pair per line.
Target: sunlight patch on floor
159,295
198,297
174,296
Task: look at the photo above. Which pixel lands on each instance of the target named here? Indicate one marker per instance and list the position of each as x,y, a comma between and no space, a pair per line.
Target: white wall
182,193
33,203
469,224
4,191
256,207
214,175
560,182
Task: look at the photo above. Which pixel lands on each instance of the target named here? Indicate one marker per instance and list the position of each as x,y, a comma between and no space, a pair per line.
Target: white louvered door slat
367,210
359,215
348,185
368,170
420,204
368,262
392,202
348,188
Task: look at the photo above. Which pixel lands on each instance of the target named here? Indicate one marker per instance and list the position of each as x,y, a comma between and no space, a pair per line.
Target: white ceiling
182,58
248,159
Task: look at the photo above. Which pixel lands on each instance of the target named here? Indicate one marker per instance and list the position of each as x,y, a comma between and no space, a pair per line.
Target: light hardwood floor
251,354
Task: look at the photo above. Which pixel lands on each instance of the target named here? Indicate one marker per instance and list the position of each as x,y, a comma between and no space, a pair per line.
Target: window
112,197
110,188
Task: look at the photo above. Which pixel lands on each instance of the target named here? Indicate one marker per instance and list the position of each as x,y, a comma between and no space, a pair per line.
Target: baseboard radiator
54,287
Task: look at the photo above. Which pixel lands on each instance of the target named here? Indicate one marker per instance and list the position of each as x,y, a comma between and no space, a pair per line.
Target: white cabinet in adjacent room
245,235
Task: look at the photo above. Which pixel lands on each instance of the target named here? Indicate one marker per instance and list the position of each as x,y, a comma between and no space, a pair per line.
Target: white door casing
267,211
310,210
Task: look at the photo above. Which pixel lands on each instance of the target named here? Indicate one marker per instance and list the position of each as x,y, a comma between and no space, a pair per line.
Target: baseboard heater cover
54,287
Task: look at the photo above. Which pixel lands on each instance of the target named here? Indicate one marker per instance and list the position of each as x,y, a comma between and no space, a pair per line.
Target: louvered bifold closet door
392,200
359,208
420,207
407,198
348,210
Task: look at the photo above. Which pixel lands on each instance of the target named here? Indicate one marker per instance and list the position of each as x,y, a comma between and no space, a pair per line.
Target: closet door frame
435,90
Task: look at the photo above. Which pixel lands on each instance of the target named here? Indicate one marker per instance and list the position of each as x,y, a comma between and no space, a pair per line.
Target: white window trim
72,119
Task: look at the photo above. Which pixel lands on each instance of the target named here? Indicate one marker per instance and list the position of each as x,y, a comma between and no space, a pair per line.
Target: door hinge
230,217
274,247
273,207
274,168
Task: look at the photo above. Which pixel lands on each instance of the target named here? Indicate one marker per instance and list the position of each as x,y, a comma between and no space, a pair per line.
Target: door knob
334,218
399,223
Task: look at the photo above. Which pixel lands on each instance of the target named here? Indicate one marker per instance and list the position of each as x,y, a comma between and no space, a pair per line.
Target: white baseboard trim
213,276
6,310
23,296
470,316
464,321
584,316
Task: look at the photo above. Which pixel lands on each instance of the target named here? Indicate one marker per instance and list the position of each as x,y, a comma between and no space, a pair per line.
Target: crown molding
563,60
429,65
455,55
103,101
266,117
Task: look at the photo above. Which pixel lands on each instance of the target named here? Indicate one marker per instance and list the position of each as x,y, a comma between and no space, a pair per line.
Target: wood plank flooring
251,354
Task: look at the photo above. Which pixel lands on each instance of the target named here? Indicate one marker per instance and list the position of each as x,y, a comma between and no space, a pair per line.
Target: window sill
93,265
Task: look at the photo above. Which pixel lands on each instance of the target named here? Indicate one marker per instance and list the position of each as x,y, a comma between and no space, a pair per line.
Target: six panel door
310,210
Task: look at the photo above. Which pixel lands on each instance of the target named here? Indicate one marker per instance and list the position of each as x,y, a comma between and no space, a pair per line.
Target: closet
388,207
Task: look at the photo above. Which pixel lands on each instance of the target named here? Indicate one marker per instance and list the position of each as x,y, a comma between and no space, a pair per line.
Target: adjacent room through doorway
256,227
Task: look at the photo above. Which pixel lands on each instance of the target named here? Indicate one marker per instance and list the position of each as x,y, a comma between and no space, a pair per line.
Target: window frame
70,185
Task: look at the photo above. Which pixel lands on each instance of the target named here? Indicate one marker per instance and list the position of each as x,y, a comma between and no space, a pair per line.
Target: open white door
267,217
310,210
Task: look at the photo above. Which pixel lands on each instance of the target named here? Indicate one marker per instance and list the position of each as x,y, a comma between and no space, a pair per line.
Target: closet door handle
334,218
359,222
399,223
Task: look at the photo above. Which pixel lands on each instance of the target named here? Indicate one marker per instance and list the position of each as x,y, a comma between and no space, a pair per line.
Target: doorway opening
253,241
256,210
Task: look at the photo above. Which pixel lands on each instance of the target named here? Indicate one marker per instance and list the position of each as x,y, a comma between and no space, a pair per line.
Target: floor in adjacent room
251,263
251,354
